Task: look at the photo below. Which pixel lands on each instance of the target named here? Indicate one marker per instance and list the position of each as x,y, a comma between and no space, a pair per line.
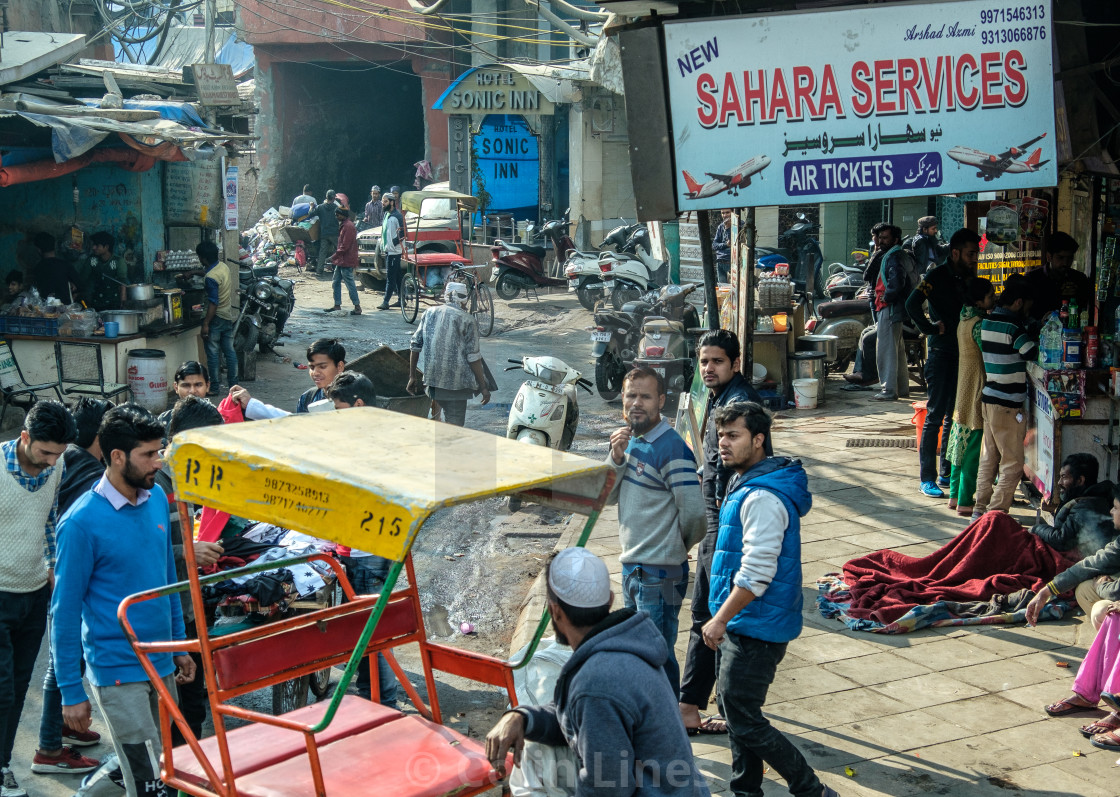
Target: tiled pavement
953,711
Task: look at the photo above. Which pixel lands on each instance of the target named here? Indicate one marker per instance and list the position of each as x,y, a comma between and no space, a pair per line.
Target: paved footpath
952,711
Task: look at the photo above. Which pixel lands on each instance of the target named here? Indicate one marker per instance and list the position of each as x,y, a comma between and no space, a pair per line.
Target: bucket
781,322
805,393
919,421
147,378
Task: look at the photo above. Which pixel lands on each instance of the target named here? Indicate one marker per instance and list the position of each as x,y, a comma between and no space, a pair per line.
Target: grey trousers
132,714
890,352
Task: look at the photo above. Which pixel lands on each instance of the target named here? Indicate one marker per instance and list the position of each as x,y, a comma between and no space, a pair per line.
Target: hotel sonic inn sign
891,101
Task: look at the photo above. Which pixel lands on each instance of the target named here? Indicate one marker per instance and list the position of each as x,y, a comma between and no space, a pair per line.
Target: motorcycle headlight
558,413
519,402
262,290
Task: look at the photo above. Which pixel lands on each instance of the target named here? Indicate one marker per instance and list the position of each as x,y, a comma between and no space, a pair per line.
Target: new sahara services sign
895,100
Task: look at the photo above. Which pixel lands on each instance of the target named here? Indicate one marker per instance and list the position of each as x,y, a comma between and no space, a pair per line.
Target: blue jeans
659,592
50,721
367,575
941,383
341,275
221,337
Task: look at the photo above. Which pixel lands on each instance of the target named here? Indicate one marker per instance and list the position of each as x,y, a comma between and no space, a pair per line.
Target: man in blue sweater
755,597
660,508
114,542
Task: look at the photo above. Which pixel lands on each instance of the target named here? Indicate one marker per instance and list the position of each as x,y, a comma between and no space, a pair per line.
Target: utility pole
210,13
708,262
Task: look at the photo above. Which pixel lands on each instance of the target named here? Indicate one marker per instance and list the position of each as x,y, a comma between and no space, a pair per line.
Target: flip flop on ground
1068,707
1109,723
709,726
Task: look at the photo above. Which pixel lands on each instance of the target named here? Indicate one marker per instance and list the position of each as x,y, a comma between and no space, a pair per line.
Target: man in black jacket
943,289
328,233
1082,521
719,355
925,245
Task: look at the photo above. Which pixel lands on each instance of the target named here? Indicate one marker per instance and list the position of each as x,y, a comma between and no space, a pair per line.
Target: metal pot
140,292
127,320
821,343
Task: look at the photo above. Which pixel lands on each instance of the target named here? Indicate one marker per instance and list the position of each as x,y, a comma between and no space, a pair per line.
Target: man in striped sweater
1006,346
660,508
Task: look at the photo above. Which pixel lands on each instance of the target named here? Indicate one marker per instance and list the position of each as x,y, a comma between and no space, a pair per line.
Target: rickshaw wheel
482,308
410,298
290,695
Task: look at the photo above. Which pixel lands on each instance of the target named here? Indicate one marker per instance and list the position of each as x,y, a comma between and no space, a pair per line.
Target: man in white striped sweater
1006,346
660,508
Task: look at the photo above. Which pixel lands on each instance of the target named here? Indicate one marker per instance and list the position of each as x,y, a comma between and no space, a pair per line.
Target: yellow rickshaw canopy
412,200
369,478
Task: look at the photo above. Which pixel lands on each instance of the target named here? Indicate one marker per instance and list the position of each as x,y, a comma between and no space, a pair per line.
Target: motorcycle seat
593,255
529,249
844,307
853,270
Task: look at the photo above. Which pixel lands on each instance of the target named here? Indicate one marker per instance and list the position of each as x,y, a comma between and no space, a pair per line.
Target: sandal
1066,708
1112,701
1109,723
1106,741
709,726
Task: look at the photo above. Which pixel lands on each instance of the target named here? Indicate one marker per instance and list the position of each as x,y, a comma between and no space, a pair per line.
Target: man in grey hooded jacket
613,704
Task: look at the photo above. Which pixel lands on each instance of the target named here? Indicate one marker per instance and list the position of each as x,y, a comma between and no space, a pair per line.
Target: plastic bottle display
1063,314
1050,348
1092,348
1074,315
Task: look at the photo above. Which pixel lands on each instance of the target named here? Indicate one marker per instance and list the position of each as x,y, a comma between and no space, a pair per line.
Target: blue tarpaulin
175,111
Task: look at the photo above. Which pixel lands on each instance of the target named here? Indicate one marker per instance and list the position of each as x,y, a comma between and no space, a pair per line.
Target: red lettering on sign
1016,89
705,85
862,103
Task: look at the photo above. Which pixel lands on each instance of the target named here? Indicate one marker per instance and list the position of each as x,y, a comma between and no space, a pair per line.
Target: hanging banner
231,197
913,99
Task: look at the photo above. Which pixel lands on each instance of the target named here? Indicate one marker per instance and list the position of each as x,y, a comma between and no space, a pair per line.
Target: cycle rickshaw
342,747
426,273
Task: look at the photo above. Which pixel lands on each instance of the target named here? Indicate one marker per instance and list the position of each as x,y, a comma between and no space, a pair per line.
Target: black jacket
1082,522
83,470
716,476
944,288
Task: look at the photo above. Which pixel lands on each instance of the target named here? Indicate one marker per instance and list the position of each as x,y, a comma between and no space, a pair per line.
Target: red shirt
346,255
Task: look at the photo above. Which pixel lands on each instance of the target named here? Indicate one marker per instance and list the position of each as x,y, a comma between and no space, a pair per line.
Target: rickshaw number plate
549,388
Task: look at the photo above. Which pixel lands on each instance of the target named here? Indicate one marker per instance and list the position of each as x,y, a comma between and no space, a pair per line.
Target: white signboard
825,106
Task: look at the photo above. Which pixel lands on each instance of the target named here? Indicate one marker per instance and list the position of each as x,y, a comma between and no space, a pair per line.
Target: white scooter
634,275
546,409
586,270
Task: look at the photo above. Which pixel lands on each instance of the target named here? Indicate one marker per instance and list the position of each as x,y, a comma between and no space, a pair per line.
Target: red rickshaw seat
434,259
410,757
257,746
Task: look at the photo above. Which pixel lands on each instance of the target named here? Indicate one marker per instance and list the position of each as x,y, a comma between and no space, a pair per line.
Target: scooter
585,270
803,253
846,319
668,344
845,281
546,410
634,271
518,267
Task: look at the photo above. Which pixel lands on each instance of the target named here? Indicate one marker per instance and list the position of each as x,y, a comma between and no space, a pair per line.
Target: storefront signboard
998,266
914,99
231,197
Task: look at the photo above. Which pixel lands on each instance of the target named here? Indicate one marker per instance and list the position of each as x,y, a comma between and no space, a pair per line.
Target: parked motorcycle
634,270
585,270
614,343
267,302
798,248
517,267
846,319
844,281
668,343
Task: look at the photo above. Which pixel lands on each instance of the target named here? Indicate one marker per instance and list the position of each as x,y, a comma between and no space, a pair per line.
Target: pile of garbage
269,244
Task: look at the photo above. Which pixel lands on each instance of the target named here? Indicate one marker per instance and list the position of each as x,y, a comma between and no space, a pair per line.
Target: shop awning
555,83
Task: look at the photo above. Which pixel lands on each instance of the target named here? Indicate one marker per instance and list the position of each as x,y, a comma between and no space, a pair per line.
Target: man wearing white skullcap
612,702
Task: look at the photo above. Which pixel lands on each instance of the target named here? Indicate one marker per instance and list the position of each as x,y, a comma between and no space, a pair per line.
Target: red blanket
993,556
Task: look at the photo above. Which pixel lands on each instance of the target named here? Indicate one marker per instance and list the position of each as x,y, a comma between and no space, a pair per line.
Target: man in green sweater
660,508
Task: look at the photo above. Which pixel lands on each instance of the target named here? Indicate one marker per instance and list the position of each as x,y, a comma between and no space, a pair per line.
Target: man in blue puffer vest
755,596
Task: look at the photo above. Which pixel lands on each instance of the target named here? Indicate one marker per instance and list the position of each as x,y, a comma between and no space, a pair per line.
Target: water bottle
1050,352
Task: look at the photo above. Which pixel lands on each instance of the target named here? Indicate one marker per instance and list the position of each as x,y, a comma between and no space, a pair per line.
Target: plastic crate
22,325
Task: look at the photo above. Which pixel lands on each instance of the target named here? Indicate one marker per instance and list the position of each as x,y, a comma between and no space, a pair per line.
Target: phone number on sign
1012,35
1013,14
